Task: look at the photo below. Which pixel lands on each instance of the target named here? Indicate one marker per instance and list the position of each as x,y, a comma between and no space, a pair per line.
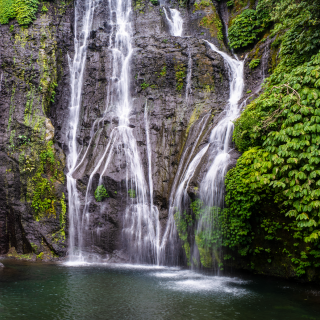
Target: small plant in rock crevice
101,193
180,75
254,63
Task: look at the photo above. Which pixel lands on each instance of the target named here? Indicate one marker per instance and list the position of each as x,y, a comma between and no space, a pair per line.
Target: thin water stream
84,10
175,21
211,190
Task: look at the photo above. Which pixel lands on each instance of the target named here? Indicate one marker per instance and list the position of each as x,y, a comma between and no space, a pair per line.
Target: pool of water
102,291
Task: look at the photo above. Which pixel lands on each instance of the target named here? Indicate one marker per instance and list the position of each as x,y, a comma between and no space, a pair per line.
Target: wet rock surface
32,76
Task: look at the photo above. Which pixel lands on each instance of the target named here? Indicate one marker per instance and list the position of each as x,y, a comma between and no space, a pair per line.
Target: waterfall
141,219
212,186
175,22
141,226
211,190
82,26
153,209
178,195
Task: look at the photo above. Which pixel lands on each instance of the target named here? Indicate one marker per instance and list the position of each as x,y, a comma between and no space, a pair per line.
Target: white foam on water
187,280
126,266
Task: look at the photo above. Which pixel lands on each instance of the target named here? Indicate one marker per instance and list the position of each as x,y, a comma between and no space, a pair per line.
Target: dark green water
48,291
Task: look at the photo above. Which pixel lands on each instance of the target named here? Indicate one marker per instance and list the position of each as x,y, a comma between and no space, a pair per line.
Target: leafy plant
230,3
23,140
145,85
23,10
101,193
132,193
163,72
247,27
254,63
278,133
180,75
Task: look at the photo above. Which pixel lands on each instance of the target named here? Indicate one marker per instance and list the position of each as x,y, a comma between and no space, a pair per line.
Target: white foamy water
175,22
141,218
211,190
187,280
212,186
82,28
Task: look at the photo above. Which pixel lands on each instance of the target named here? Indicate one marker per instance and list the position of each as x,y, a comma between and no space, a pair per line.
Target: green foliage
63,211
23,10
183,221
180,75
230,3
163,72
34,247
7,11
23,140
43,199
132,193
287,129
40,255
254,63
101,193
154,2
44,9
202,3
145,85
212,20
279,135
247,27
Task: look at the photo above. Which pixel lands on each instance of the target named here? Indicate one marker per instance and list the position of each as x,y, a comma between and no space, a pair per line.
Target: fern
23,10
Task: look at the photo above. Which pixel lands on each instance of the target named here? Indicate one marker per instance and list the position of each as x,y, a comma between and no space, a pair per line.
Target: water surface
101,291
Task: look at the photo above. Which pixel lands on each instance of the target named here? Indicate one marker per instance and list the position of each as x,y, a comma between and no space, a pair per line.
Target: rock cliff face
183,83
32,182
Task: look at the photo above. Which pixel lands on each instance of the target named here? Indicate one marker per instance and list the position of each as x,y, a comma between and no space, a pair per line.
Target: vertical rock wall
32,72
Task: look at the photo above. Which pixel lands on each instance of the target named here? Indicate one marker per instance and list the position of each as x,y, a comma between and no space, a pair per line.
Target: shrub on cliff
23,10
247,27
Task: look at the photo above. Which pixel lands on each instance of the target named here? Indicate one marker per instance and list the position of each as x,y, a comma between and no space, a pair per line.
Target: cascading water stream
141,220
153,209
141,227
82,26
175,22
212,187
